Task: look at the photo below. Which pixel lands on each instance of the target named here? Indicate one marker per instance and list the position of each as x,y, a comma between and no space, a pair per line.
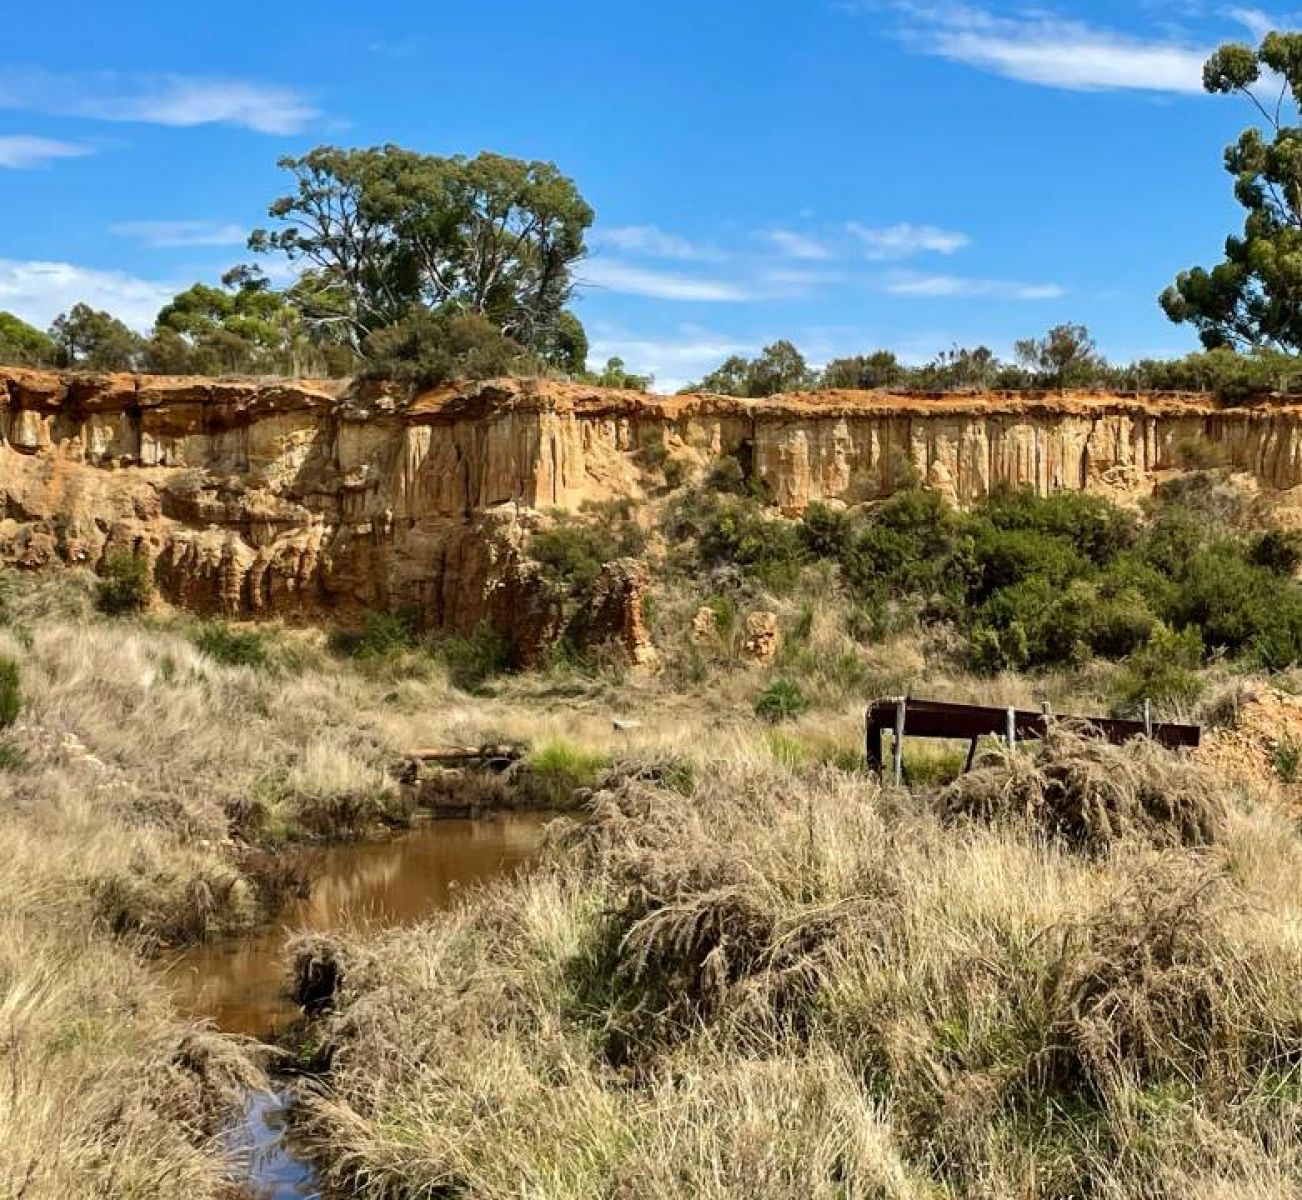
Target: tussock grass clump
789,983
1093,794
554,775
232,647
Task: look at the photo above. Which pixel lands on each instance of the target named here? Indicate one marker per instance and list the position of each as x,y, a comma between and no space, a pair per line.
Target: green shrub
735,531
231,647
1095,527
1286,759
11,699
126,585
382,635
825,532
573,553
1164,670
477,657
1277,551
782,700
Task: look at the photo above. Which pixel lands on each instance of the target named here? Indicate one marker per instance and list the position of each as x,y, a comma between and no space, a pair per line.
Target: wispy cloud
38,291
176,100
1056,51
905,241
675,360
629,279
22,151
654,242
797,245
182,233
961,287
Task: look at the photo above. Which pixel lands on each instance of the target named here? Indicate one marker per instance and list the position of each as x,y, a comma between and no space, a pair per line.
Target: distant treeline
1065,358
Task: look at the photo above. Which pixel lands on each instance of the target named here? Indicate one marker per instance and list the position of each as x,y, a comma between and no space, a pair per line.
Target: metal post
901,706
873,745
1011,727
1148,718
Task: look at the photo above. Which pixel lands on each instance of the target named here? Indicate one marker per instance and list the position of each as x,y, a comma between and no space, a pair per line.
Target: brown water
241,984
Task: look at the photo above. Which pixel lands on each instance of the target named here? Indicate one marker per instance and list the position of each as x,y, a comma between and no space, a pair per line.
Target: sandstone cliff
310,498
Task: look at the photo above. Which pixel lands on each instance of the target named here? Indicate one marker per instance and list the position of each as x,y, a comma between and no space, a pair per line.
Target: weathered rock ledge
323,497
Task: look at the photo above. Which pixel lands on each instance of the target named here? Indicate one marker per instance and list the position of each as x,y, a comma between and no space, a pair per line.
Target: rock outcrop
315,498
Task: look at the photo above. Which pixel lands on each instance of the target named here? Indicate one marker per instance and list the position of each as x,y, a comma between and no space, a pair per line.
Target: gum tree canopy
384,234
1253,300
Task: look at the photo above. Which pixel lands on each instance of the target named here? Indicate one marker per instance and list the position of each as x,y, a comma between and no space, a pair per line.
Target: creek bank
240,984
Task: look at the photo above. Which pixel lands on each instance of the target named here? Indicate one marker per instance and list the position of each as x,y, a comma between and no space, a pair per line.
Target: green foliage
126,585
573,551
782,700
94,341
1164,670
475,658
244,327
1251,299
780,367
231,647
1277,551
614,375
1065,357
11,696
863,372
384,232
1286,760
825,531
558,769
21,345
728,530
428,348
382,635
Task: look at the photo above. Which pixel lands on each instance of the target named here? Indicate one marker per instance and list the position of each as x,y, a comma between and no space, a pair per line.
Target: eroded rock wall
316,498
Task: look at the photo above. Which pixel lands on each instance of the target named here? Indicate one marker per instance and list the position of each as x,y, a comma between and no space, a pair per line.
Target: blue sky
852,175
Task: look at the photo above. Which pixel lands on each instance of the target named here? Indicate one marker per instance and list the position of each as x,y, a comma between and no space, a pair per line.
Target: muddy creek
240,985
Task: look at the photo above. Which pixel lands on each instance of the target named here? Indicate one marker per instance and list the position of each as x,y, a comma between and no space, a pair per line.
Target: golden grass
788,983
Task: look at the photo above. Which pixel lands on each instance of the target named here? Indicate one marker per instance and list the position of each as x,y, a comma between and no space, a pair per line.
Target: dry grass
788,983
1093,794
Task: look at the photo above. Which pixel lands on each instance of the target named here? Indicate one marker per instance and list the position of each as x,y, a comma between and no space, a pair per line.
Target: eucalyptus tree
381,235
1253,299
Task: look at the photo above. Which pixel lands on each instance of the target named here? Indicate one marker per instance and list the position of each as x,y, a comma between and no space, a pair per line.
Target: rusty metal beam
938,719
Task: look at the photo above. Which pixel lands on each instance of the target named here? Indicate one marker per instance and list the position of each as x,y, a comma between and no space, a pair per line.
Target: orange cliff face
314,498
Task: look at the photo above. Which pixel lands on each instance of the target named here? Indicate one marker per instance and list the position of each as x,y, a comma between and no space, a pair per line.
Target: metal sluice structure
903,716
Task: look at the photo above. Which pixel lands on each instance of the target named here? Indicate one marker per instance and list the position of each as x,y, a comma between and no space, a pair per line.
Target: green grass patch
556,770
231,647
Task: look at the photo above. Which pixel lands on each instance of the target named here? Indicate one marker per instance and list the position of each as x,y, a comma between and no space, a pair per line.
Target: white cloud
960,287
182,233
904,241
22,151
1256,22
797,245
1053,51
37,292
654,242
176,100
674,361
615,276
